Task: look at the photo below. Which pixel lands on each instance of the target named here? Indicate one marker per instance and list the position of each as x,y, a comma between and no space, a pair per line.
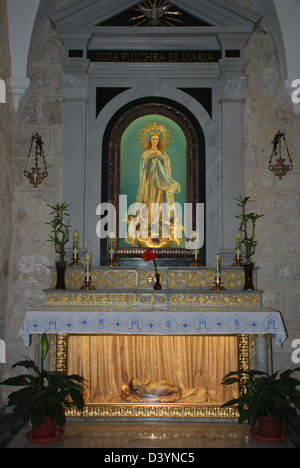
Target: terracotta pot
268,427
60,275
248,270
46,431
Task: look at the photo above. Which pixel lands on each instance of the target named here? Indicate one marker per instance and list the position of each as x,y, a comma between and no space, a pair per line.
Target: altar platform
186,333
124,302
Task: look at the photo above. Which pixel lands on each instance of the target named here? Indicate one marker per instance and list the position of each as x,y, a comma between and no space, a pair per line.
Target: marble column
232,84
75,89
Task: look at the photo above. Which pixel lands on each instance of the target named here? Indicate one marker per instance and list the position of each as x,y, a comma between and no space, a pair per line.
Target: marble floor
150,435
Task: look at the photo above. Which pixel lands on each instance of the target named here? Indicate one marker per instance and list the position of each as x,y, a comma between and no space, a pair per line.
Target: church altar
161,330
124,302
205,320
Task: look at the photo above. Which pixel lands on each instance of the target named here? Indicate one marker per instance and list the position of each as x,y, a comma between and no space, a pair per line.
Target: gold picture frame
176,125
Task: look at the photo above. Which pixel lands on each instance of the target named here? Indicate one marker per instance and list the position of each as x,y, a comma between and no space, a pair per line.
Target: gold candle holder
87,284
111,250
217,286
75,259
88,273
238,261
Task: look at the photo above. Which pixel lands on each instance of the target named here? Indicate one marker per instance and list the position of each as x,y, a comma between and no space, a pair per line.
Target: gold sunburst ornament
155,127
155,13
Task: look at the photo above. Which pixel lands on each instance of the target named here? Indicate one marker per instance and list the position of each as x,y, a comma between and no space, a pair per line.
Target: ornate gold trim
226,299
102,278
243,356
176,301
138,410
61,352
93,299
141,278
131,410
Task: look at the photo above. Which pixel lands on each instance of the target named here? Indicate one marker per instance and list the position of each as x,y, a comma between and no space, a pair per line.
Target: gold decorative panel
103,278
202,278
212,299
150,409
141,278
165,300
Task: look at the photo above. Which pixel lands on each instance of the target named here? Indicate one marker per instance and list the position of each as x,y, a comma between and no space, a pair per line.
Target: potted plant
265,399
59,237
44,396
247,228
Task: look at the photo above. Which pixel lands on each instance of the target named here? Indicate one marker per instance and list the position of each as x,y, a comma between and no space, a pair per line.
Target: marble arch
225,76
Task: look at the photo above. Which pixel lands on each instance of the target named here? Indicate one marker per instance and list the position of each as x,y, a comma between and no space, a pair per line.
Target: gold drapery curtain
108,361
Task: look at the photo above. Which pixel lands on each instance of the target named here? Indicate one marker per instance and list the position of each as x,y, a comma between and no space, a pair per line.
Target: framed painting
156,182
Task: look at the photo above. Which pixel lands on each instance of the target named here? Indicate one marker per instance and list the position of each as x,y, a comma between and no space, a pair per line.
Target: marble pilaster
75,88
232,85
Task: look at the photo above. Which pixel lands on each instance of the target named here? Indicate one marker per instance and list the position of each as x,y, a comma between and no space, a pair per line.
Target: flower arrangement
148,255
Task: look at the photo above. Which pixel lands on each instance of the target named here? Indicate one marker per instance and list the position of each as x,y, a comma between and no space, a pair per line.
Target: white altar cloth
209,321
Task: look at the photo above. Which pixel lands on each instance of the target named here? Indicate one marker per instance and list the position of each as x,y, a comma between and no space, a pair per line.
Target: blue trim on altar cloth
153,322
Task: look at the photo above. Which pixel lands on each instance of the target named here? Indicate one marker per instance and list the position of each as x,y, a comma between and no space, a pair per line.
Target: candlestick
88,265
238,261
111,249
217,273
75,259
88,272
196,261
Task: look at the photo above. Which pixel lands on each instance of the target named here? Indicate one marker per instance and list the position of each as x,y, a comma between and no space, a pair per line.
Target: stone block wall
6,171
41,111
278,232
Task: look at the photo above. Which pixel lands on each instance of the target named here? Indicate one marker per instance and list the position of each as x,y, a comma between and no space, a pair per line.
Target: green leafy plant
247,227
60,230
273,395
44,392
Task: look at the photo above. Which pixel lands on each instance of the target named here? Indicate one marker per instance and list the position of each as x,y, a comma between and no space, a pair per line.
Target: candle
196,243
217,265
238,240
88,265
75,242
111,243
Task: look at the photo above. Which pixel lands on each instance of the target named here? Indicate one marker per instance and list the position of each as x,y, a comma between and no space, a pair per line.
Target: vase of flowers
147,256
157,284
247,228
59,237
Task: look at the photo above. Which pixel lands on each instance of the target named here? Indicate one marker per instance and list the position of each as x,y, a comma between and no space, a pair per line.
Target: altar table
204,321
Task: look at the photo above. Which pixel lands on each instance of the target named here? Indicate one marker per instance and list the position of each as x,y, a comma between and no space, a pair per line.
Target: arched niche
147,110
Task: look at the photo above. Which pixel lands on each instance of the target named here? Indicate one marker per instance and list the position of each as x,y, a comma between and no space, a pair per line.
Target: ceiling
34,14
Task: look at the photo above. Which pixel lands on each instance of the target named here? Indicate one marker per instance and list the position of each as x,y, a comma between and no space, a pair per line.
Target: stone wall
6,171
278,232
42,111
24,211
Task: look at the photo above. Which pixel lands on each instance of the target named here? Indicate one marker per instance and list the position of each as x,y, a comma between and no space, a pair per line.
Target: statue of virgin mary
155,197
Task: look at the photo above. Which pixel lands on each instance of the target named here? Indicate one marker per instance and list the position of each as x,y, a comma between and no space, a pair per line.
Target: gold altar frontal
194,363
